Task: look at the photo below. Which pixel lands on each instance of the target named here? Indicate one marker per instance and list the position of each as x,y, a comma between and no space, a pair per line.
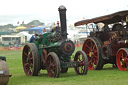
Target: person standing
44,31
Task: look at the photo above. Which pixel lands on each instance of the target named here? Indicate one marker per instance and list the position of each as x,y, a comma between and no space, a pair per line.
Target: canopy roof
19,27
108,19
23,33
37,29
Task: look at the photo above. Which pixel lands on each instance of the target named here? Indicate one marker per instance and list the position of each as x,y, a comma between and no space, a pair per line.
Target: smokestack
62,11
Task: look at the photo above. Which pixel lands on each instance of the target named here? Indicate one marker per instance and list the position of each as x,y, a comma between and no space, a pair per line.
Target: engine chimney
62,11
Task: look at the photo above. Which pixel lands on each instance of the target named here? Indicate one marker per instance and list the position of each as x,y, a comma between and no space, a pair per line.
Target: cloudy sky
12,11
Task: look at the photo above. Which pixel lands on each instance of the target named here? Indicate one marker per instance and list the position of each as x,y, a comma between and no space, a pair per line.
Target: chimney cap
62,8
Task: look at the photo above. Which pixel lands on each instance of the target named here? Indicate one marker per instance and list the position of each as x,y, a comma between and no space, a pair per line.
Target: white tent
72,34
24,36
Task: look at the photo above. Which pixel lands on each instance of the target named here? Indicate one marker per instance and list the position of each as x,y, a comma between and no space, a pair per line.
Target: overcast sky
12,11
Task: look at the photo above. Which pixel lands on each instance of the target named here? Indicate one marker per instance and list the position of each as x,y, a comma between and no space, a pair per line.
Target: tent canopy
25,34
36,29
19,27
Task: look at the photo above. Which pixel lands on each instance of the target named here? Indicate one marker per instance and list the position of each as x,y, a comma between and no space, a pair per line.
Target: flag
23,22
83,17
18,22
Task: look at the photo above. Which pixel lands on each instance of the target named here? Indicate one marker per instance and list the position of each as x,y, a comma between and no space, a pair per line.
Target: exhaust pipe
62,11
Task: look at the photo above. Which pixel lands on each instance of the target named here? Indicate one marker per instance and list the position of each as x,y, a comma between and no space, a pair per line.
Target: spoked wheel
82,60
64,70
30,59
53,65
122,59
92,50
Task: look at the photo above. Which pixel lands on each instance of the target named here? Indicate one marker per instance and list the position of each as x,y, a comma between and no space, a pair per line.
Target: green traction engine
52,51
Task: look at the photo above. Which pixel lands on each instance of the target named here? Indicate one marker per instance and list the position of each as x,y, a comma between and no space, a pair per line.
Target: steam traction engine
108,42
52,51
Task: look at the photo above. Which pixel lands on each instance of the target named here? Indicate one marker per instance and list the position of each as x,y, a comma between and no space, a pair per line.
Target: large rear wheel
92,50
122,59
30,59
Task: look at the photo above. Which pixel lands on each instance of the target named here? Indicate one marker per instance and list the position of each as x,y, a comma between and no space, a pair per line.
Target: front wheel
122,59
53,65
82,60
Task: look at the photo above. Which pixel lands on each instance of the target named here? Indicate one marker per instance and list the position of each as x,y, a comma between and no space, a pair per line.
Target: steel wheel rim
91,50
122,59
83,63
27,60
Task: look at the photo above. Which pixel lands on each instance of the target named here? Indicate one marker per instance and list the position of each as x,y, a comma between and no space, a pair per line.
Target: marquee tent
19,28
36,30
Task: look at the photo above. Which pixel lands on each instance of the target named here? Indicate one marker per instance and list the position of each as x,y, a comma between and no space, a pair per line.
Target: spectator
32,39
44,31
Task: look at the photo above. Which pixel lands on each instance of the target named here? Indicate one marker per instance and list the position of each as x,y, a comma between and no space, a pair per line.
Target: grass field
107,76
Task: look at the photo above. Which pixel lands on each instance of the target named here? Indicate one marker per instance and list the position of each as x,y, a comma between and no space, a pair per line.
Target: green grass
107,76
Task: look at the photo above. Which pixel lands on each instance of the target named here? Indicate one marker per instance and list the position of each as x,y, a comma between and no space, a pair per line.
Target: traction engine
108,42
52,51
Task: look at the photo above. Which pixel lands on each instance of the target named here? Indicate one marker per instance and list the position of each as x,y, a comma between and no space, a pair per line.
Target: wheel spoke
94,56
31,58
88,48
26,64
94,47
50,60
79,58
122,55
126,61
29,72
91,45
87,51
82,69
90,64
53,65
87,54
25,54
30,54
95,51
126,55
27,47
125,58
95,61
127,66
90,61
123,65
